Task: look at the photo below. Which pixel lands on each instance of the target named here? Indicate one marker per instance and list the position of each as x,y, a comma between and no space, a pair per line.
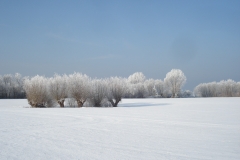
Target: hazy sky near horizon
117,38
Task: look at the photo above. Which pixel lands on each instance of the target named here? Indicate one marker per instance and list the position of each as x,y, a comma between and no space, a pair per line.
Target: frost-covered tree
213,88
207,90
223,88
228,88
135,91
11,86
175,79
58,88
202,90
17,86
7,82
159,88
2,88
238,89
37,92
139,90
98,92
149,86
116,88
129,90
136,78
136,85
79,87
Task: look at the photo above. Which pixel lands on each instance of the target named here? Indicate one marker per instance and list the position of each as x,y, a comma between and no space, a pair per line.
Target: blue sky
118,38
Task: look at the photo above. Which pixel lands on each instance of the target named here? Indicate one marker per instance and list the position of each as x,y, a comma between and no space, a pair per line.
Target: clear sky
118,38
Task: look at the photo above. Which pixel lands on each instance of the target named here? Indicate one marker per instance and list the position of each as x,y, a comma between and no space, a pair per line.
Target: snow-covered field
197,128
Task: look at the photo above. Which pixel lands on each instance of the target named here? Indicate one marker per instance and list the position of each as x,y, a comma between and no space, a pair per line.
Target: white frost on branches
58,88
174,81
116,88
228,88
136,78
79,87
37,91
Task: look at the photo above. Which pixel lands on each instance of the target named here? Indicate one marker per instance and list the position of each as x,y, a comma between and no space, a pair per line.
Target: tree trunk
173,95
80,103
61,103
114,104
111,101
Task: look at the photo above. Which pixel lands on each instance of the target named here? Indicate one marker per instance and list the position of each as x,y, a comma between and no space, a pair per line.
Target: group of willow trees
47,92
80,90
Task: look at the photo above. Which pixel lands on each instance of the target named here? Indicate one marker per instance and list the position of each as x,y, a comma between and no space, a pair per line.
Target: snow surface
197,128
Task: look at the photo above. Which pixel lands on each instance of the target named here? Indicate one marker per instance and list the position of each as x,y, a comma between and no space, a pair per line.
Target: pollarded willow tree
58,88
116,88
174,81
79,87
37,92
98,92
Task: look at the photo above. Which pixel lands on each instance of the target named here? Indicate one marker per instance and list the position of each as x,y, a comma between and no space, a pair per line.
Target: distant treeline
11,86
223,88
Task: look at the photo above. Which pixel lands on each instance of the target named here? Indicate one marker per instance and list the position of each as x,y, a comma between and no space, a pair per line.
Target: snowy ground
197,128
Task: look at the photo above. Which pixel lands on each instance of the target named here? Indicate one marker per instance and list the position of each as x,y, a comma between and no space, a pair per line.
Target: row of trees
11,86
228,88
79,89
140,87
45,92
